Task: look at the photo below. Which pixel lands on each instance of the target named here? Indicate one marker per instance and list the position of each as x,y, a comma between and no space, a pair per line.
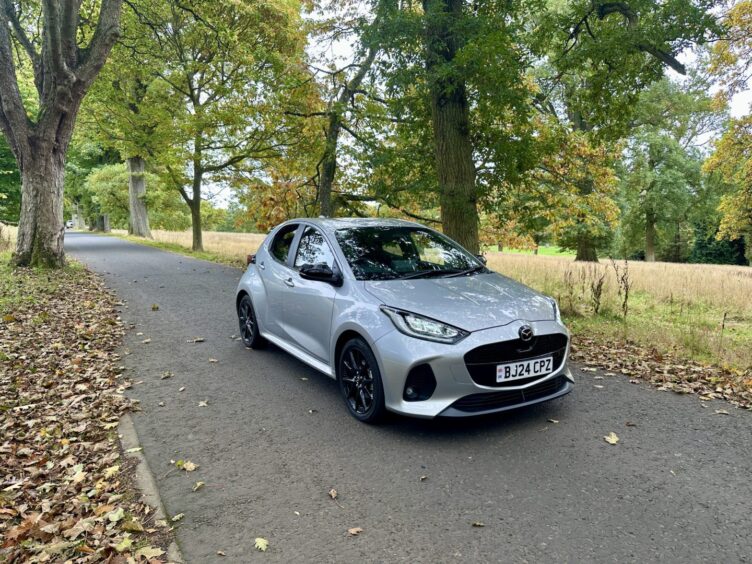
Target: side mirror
482,259
250,259
321,273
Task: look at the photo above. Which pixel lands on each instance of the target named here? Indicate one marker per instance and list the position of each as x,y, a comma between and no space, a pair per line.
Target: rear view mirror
321,272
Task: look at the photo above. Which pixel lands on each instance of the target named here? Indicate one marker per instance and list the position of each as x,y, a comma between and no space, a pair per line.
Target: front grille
509,398
481,362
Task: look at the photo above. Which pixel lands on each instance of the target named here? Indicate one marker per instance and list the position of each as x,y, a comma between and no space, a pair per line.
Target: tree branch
13,120
20,33
108,30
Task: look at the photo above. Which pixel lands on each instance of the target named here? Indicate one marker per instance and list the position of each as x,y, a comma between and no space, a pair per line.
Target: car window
282,242
313,249
389,252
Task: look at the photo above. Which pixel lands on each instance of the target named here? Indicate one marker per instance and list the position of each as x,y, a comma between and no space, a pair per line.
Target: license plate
524,369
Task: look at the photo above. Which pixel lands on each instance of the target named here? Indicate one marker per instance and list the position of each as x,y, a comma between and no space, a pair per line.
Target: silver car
404,318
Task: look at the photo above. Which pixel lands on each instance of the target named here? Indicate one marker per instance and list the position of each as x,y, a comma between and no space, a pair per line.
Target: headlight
424,327
557,311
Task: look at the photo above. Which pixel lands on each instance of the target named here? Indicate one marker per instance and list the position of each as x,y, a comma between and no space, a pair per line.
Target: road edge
145,481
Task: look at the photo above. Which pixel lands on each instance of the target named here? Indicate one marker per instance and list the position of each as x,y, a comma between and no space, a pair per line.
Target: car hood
472,303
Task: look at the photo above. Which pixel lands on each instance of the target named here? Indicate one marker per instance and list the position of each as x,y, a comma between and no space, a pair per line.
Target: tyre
249,327
360,381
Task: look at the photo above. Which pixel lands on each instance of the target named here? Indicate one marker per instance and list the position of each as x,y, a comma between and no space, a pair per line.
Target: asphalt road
274,438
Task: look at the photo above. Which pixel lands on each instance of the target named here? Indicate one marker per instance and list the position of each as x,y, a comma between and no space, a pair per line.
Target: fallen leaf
478,524
721,412
166,374
196,340
148,552
221,553
146,341
261,544
355,531
181,389
333,493
154,307
611,438
124,544
177,517
197,486
189,466
116,515
134,449
423,478
598,386
111,471
552,420
213,360
203,403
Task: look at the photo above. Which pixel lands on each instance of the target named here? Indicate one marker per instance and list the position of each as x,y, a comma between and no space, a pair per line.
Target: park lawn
66,490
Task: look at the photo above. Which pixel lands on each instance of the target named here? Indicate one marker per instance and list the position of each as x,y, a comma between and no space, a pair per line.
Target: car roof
334,223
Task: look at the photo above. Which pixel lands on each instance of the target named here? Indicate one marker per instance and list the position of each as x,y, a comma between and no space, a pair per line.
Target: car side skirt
299,354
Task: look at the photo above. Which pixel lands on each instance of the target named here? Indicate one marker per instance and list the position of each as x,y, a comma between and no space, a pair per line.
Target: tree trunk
41,229
329,166
329,160
450,115
138,223
650,235
586,250
198,238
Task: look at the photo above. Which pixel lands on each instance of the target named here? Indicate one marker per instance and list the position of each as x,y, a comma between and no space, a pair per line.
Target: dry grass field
701,312
231,247
7,236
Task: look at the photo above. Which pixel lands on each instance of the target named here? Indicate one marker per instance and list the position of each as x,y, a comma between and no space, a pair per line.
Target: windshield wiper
472,270
428,273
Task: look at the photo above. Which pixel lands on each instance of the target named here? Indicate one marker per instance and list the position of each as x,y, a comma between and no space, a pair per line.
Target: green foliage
108,187
711,250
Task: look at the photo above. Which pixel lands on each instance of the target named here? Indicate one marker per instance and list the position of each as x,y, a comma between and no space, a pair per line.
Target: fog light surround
420,383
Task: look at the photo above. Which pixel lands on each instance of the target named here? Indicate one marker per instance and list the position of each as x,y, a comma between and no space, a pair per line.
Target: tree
226,67
732,160
661,177
50,35
481,68
731,63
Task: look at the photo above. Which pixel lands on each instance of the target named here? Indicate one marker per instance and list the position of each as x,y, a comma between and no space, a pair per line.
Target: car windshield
391,252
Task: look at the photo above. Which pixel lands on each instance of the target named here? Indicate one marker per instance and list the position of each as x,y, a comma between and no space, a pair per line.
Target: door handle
261,265
289,282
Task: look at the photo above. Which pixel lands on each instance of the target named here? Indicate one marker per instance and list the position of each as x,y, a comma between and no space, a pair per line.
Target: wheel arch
344,337
239,297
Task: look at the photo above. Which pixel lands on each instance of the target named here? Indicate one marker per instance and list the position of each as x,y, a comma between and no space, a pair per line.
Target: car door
309,307
277,277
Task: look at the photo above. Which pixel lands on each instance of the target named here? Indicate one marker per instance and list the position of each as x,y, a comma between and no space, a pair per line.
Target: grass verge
66,490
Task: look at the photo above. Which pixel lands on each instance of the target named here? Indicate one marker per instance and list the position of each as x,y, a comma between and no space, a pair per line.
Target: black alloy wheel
360,381
249,329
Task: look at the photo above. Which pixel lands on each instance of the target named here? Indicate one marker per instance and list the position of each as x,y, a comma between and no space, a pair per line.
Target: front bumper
456,393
